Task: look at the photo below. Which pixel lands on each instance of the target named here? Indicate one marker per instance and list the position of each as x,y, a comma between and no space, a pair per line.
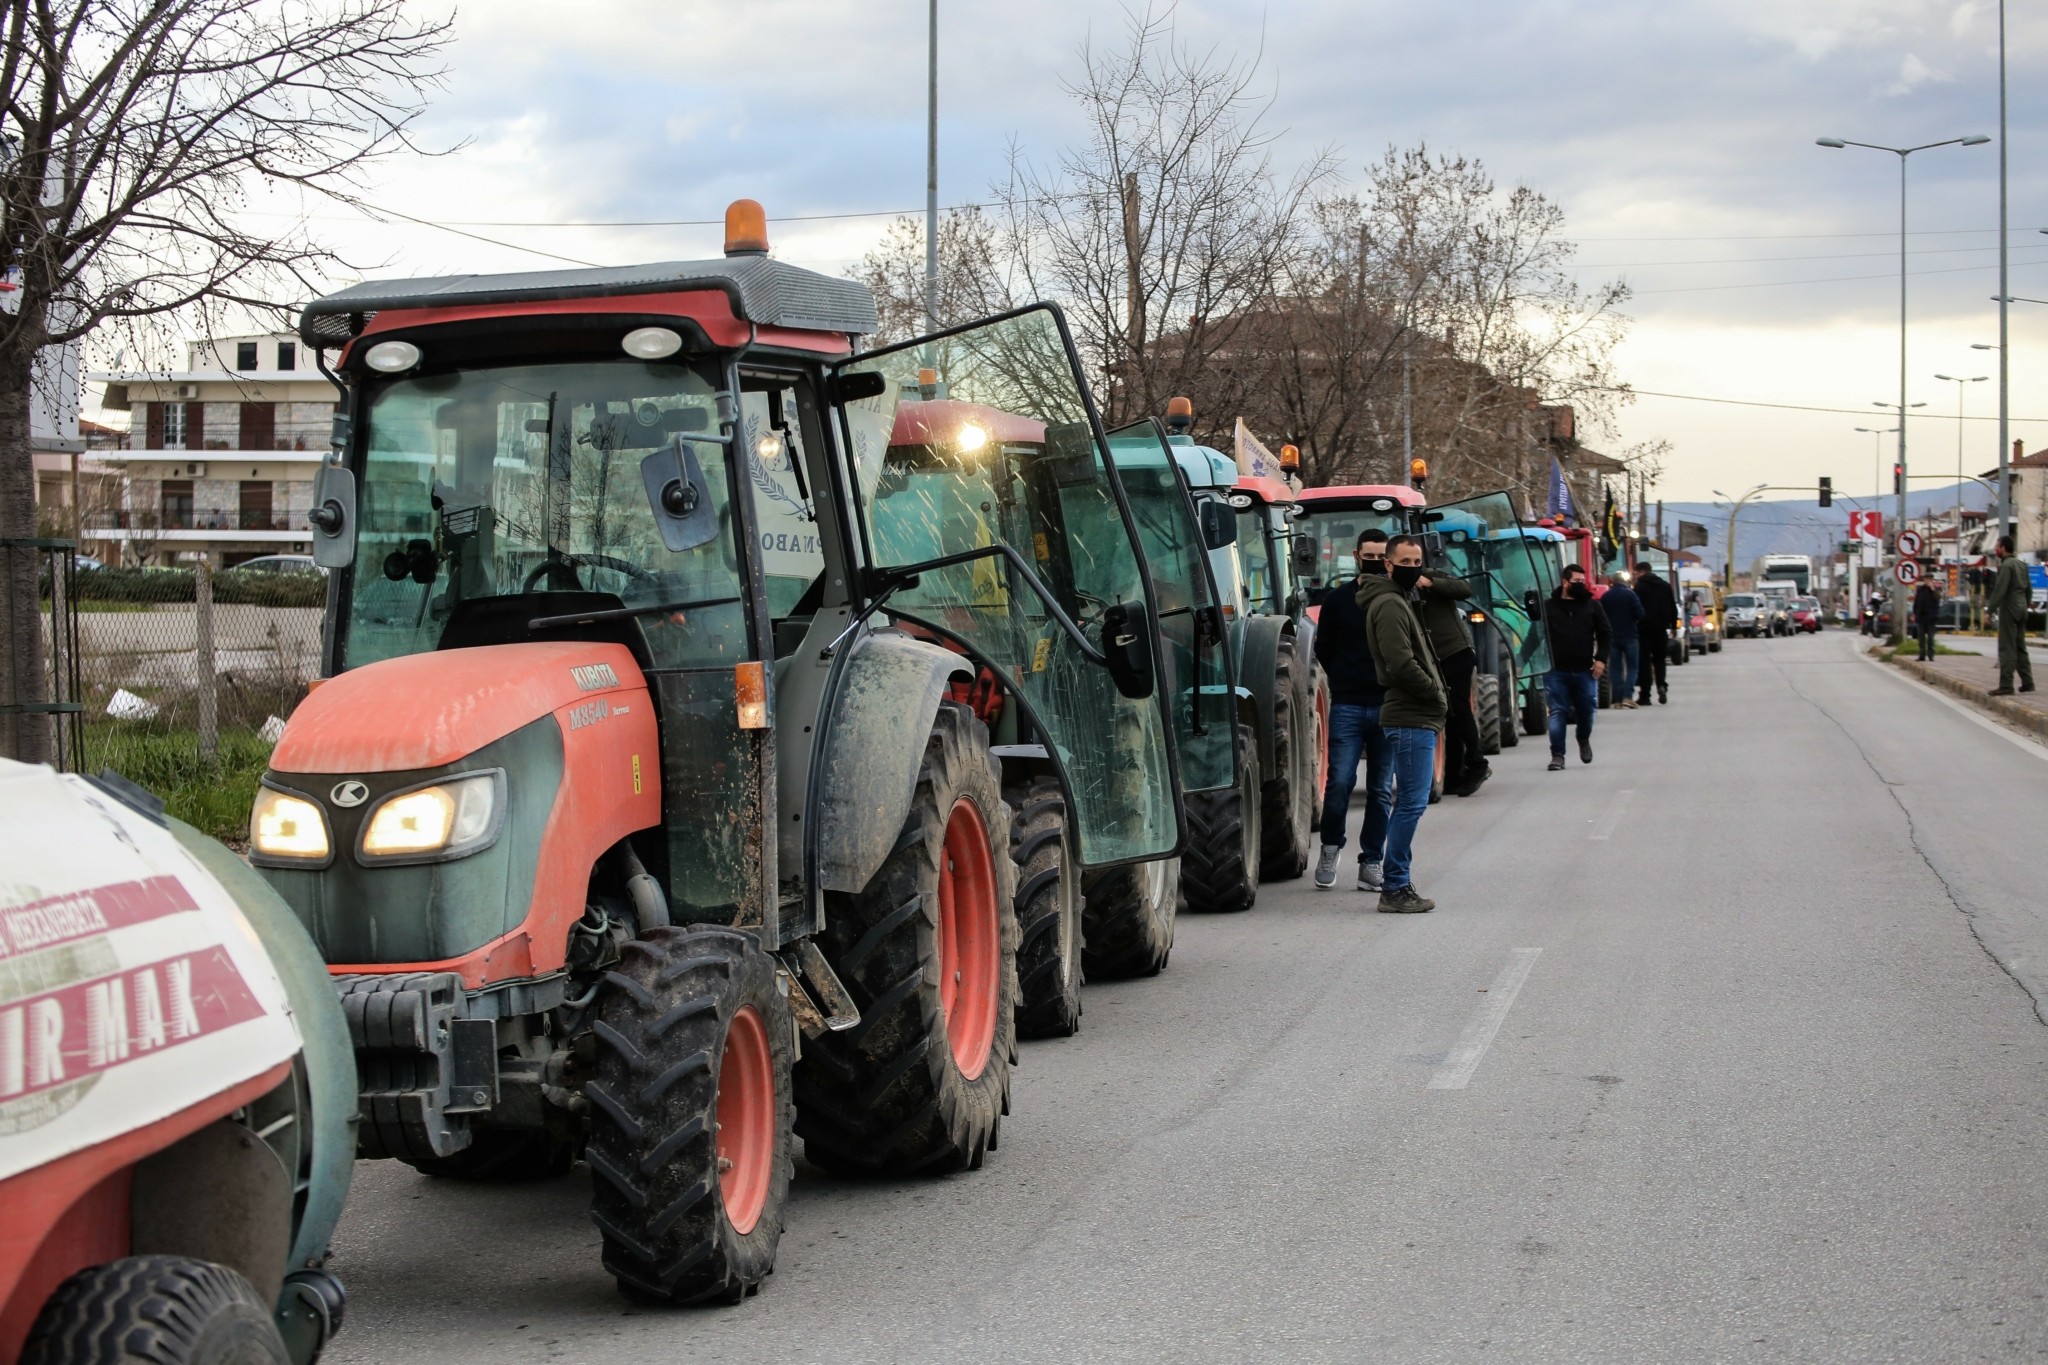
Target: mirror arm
910,572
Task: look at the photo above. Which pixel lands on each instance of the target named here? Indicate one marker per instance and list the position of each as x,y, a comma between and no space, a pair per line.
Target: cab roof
1402,494
763,291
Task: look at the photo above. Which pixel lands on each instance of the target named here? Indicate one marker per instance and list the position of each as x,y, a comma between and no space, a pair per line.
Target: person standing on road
1413,708
1450,637
1624,621
1660,614
1926,615
2011,594
1579,640
1355,697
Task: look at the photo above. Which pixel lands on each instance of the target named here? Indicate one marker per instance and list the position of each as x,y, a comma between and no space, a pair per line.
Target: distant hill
1797,526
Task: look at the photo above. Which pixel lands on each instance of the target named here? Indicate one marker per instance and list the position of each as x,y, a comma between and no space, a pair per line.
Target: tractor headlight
287,828
431,823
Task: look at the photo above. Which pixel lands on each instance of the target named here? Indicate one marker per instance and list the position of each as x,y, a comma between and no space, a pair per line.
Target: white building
220,455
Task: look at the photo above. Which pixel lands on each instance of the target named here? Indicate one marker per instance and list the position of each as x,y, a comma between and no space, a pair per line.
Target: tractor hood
429,710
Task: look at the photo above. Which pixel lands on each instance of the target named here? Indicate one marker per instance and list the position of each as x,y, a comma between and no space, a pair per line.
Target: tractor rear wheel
169,1310
1287,797
1320,692
1219,869
929,951
1486,710
690,1145
1048,910
1127,919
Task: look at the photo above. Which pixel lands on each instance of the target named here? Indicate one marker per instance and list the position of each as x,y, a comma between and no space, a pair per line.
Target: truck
1796,570
653,808
177,1092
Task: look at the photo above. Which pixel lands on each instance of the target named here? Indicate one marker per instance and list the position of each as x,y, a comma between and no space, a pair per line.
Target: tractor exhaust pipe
650,907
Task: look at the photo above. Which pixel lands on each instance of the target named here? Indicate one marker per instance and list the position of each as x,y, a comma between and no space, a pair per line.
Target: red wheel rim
746,1120
969,943
1322,743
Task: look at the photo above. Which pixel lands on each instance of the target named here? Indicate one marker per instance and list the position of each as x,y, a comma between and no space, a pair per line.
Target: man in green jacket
1410,715
2011,595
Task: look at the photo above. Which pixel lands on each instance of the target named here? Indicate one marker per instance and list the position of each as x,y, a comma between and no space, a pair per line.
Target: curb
2026,718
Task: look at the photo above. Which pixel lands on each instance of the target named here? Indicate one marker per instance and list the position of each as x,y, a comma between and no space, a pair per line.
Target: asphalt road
1764,1081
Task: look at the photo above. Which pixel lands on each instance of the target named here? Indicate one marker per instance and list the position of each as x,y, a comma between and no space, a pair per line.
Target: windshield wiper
580,618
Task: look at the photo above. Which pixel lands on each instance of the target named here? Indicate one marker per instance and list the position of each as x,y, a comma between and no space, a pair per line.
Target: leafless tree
132,133
974,280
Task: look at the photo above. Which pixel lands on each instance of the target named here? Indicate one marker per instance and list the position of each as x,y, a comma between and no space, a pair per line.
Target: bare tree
974,279
1166,226
132,132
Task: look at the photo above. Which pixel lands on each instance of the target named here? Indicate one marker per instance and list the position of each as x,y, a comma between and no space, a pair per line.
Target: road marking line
1463,1060
1608,822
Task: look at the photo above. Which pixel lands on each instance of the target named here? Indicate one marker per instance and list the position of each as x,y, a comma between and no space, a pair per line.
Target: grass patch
1910,649
211,797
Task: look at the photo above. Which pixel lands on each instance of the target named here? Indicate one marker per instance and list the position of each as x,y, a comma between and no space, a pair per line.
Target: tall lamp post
1961,384
1902,153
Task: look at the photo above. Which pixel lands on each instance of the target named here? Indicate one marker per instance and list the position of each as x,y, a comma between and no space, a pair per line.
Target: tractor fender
1259,652
878,722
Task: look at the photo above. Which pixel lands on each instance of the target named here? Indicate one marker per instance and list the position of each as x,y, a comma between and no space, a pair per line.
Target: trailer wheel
1486,709
929,951
1127,919
690,1116
1048,910
1288,798
504,1154
1219,869
167,1310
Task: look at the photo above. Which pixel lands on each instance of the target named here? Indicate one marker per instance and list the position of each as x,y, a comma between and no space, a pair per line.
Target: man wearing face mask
1579,641
1355,699
1413,710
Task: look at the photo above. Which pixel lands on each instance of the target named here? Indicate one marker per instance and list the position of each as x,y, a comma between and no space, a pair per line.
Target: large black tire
887,1096
668,1027
1287,796
1535,714
501,1154
1048,910
1606,692
1219,869
1486,710
1127,920
1510,731
155,1310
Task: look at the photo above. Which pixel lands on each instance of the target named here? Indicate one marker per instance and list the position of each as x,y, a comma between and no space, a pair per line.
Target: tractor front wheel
1486,710
1048,910
170,1310
929,951
1288,796
690,1145
1128,919
1220,867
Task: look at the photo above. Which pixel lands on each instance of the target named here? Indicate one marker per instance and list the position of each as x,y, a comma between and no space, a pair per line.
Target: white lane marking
1968,713
1461,1061
1608,822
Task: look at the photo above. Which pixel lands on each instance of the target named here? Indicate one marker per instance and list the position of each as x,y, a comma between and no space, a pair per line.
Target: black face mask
1376,567
1579,590
1406,574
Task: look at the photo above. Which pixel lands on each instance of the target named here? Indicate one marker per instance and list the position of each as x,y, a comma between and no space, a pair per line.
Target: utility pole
931,180
2004,302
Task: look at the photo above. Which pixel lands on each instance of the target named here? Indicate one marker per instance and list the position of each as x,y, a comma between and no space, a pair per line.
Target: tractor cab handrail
887,581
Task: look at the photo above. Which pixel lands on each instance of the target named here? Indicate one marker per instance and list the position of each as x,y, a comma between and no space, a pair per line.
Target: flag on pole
1610,529
1560,504
1254,459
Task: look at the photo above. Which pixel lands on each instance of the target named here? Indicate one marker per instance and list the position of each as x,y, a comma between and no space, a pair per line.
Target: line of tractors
729,734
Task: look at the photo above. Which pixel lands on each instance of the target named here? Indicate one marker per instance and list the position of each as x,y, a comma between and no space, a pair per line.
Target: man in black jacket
1660,614
1926,618
1355,698
1578,652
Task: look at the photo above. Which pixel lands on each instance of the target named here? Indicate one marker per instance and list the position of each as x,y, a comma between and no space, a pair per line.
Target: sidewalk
1971,677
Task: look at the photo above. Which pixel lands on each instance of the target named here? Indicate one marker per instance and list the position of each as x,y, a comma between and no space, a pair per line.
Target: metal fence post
208,696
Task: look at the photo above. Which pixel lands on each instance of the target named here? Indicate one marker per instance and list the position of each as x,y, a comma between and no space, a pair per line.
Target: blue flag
1560,494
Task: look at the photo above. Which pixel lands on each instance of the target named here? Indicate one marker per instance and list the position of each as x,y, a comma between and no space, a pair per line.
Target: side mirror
1304,552
1127,647
333,517
1219,524
679,498
1532,604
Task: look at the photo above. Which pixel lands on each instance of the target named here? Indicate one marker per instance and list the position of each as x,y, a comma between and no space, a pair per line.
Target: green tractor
657,808
1513,570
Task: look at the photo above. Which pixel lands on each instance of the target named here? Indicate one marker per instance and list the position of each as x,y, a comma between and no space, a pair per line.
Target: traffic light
1827,491
1898,477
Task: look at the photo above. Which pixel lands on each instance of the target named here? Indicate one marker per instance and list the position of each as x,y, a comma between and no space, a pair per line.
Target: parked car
279,564
1955,614
1696,629
1805,615
1746,614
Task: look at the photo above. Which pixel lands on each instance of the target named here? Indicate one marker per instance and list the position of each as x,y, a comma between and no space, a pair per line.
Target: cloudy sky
1678,136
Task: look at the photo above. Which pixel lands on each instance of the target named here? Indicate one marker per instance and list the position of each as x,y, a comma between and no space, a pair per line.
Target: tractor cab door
1198,668
993,518
1485,543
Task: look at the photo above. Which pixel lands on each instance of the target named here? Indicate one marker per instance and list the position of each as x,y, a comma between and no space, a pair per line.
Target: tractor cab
1512,568
1332,519
652,602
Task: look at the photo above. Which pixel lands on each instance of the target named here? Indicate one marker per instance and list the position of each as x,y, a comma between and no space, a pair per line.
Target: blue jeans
1355,733
1621,664
1568,692
1411,754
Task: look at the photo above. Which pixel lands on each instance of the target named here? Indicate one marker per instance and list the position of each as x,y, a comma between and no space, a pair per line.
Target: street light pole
2004,301
1973,140
931,178
1961,383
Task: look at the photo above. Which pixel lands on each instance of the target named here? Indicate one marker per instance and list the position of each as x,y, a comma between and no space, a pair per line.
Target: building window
174,425
245,355
256,506
287,355
177,506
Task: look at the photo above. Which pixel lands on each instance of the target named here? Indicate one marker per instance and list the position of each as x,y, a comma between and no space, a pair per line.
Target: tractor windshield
1334,532
1511,569
525,481
981,439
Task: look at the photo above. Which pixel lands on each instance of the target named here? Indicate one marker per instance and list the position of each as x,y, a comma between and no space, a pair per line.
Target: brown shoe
2001,692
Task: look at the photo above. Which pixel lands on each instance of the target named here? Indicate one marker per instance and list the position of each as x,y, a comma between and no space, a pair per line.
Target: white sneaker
1369,876
1326,866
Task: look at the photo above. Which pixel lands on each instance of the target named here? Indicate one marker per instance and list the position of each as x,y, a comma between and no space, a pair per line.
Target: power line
1764,260
1874,410
1825,279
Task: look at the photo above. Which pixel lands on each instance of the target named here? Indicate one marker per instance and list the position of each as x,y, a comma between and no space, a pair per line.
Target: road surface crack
1891,789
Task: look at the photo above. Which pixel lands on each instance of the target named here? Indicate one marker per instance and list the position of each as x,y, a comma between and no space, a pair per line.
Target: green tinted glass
1512,569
